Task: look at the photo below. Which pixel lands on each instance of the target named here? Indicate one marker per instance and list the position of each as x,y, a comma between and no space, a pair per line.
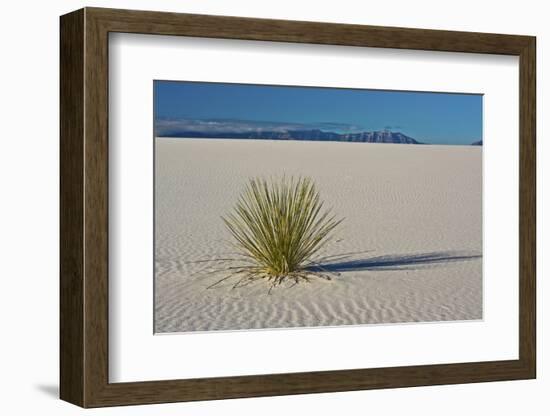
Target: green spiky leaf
279,226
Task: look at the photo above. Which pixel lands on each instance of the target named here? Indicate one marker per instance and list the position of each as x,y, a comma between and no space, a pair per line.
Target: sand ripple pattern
410,249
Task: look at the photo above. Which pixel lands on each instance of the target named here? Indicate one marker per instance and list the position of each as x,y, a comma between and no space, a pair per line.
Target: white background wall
29,206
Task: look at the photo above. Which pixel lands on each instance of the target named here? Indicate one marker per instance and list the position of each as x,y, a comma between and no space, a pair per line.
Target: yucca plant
278,228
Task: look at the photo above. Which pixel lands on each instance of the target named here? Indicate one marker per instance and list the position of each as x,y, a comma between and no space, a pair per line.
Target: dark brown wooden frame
84,209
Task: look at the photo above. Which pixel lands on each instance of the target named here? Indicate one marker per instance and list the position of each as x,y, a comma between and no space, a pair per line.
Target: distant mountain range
317,135
384,136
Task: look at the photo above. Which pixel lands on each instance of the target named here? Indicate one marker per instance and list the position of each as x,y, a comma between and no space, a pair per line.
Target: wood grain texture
71,213
84,207
96,209
162,23
527,208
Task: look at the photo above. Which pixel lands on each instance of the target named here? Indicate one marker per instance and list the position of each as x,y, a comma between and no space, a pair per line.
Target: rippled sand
409,249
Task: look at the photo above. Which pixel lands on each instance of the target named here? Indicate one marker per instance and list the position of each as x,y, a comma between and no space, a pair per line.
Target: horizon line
231,128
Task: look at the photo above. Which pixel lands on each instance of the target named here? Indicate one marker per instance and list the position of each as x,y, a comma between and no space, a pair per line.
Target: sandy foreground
409,249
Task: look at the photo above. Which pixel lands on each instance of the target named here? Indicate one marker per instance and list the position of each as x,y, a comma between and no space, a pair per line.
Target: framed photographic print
255,207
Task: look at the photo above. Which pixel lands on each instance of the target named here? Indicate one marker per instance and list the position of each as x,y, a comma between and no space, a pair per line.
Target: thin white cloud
166,126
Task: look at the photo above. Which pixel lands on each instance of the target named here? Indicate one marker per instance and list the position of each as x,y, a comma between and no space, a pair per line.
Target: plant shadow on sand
336,267
346,262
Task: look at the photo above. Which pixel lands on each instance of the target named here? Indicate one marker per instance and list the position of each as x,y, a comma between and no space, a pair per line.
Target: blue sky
438,118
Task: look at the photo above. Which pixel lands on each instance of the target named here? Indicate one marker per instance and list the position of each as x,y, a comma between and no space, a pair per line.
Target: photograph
281,206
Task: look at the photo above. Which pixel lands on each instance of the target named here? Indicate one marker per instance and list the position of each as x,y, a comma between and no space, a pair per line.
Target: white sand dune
410,246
